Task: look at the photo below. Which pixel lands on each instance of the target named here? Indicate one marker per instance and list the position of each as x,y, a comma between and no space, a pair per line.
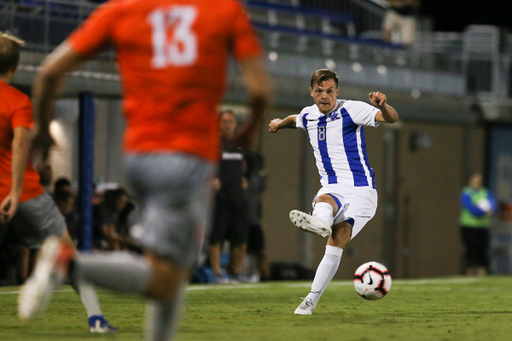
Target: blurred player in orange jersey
172,56
25,207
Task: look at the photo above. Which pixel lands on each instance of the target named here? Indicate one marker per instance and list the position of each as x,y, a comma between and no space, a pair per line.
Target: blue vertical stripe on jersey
351,150
324,153
304,121
365,155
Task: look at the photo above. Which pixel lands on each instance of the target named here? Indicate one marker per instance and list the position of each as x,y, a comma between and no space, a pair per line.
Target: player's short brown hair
9,52
226,111
322,75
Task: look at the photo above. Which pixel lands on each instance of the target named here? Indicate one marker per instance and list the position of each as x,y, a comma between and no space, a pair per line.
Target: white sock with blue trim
324,211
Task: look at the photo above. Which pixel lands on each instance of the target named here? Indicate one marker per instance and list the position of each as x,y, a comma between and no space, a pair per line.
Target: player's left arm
20,148
387,113
47,82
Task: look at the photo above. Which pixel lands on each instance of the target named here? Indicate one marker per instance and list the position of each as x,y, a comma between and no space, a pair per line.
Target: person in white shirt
348,197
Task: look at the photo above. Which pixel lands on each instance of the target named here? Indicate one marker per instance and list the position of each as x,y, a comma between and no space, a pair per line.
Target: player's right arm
259,88
94,34
20,147
277,123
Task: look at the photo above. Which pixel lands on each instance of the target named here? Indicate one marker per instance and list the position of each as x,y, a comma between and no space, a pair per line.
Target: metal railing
480,56
42,24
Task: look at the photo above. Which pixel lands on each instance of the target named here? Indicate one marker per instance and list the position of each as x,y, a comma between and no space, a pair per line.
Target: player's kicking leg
175,209
321,220
327,267
34,218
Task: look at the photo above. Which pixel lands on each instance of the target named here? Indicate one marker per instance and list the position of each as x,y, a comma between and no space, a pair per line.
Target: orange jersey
15,111
172,57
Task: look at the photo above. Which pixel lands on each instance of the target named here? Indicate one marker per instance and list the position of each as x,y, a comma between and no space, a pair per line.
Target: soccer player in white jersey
348,197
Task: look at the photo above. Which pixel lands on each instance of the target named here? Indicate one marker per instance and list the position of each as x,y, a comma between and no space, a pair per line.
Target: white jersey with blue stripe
338,142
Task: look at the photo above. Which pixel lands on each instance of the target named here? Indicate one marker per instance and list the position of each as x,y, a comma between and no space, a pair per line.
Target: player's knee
166,279
341,234
327,198
324,198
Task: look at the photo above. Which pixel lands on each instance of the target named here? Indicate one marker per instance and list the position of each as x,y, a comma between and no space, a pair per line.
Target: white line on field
194,287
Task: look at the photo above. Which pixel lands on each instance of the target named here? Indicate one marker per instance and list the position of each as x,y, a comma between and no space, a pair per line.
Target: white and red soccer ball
372,280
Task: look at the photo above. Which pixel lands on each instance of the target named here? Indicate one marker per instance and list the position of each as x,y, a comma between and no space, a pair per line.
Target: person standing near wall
478,205
230,220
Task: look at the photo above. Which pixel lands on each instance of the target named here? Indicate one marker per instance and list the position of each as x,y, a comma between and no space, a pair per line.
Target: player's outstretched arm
46,84
277,123
387,113
259,91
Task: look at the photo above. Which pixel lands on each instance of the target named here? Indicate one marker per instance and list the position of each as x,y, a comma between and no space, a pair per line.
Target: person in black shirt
230,219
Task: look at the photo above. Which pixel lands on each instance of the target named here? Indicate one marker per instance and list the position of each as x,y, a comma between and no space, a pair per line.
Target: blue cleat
99,325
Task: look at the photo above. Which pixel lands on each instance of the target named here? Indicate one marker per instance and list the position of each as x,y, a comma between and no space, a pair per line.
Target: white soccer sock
324,211
162,317
89,298
325,271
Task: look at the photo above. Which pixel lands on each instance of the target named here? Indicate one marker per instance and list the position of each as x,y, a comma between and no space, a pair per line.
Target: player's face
476,181
227,125
325,95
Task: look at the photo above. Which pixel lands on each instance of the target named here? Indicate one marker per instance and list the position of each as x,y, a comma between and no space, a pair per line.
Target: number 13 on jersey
181,48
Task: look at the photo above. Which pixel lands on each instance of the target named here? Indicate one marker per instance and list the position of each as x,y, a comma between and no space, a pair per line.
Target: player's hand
41,145
378,99
273,126
8,207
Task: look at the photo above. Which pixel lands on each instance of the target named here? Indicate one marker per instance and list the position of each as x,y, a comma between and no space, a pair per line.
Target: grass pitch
435,309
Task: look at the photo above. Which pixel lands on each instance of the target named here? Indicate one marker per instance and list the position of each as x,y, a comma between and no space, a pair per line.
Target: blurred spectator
400,21
65,202
478,204
256,239
106,225
124,227
230,209
62,184
45,175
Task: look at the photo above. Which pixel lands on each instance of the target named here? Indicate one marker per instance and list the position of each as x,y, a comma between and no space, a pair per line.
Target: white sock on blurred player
324,211
325,272
163,317
88,296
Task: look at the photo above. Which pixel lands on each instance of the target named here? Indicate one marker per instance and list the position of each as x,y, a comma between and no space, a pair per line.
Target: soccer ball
372,280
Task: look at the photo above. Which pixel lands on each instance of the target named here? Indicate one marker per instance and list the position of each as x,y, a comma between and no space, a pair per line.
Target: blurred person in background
45,172
65,202
256,179
106,224
230,220
172,57
26,207
65,199
400,22
477,207
62,184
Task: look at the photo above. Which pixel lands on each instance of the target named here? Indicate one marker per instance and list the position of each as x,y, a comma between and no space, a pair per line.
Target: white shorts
358,204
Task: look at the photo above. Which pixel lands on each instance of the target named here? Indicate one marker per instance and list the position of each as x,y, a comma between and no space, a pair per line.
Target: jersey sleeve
244,40
96,32
22,116
363,113
300,120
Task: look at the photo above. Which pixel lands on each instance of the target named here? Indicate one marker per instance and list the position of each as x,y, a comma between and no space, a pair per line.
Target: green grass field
435,309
